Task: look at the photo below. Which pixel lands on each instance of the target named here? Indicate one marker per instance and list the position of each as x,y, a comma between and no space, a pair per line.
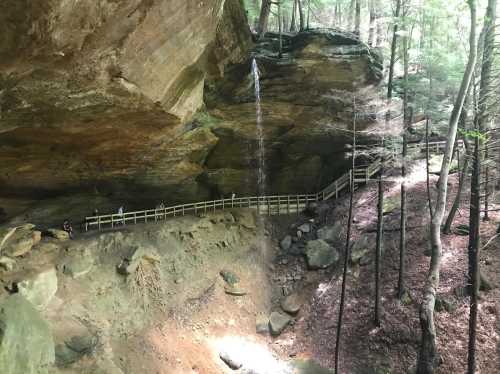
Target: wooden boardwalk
268,205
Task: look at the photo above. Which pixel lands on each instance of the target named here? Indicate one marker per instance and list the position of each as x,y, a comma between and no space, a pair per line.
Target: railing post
279,198
183,210
214,205
222,204
99,222
112,225
297,204
268,207
337,189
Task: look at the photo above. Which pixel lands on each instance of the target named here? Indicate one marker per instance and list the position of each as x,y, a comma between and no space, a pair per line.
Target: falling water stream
261,151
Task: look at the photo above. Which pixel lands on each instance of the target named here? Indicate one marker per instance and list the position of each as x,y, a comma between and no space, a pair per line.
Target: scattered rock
462,230
278,322
234,291
132,260
297,249
17,241
262,325
26,346
291,304
79,264
320,254
58,234
310,367
443,304
74,349
330,233
485,284
286,243
40,289
229,277
230,360
406,298
391,203
360,249
7,263
305,227
460,291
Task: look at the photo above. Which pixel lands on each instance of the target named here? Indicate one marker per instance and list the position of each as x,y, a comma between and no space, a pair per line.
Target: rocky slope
102,95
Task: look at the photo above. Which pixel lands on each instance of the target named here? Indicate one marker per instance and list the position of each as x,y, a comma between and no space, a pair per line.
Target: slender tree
427,356
347,249
371,27
357,18
301,15
393,49
265,9
294,11
406,122
475,204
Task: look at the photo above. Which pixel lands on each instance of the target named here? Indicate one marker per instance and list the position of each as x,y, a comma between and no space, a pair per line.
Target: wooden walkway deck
268,205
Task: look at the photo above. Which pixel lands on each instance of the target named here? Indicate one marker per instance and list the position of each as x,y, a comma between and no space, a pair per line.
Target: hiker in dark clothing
67,227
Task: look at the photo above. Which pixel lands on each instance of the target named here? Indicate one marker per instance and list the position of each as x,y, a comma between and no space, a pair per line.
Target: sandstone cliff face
307,100
95,93
102,95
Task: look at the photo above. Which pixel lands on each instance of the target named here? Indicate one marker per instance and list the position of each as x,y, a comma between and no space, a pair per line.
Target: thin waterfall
261,151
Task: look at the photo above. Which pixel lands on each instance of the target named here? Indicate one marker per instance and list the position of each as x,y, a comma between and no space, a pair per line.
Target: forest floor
392,347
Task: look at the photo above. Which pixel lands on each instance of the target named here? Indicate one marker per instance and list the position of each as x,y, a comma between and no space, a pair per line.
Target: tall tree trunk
347,250
280,53
485,90
463,173
473,251
294,10
379,23
458,196
308,13
357,18
301,15
264,17
406,122
371,27
428,356
350,16
393,49
380,236
486,87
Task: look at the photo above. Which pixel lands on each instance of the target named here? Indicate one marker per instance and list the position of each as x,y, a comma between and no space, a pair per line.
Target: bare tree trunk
357,19
406,122
428,355
371,27
301,15
378,21
473,250
428,181
475,204
308,13
347,250
350,16
294,10
280,53
264,17
393,49
486,85
380,236
458,197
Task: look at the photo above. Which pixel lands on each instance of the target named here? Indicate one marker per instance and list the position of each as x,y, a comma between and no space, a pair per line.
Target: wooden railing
270,205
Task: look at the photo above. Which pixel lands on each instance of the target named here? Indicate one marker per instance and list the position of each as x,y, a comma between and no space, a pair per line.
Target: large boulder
133,258
278,322
330,233
79,264
26,343
39,289
18,241
361,248
320,254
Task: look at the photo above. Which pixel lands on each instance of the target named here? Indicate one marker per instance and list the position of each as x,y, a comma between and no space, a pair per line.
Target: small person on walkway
233,196
67,227
120,214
